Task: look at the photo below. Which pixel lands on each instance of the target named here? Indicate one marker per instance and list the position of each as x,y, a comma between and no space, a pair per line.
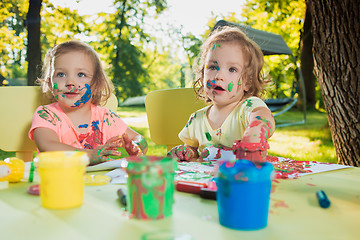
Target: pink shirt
104,125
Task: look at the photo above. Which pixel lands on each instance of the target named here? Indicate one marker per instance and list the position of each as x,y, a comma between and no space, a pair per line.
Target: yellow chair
17,106
168,112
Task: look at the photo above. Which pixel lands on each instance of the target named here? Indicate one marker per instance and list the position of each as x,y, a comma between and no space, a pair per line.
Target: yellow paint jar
62,178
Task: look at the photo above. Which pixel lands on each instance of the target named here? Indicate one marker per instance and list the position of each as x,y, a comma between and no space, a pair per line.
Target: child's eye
81,75
212,67
232,69
60,74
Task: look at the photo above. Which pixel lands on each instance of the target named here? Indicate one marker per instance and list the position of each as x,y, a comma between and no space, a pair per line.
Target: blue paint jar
243,194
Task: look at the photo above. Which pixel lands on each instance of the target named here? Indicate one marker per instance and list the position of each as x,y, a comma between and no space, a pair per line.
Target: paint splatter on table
202,172
284,168
289,168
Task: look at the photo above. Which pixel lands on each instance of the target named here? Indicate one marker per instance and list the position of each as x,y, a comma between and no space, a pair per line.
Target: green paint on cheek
230,86
208,136
239,83
56,87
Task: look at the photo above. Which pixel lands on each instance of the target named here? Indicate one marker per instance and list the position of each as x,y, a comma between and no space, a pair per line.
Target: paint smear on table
284,168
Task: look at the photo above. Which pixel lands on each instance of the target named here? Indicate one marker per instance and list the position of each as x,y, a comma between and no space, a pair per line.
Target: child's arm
183,152
47,140
253,145
261,126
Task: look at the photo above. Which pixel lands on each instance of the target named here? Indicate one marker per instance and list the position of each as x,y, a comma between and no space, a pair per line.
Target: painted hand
102,153
255,152
134,147
182,153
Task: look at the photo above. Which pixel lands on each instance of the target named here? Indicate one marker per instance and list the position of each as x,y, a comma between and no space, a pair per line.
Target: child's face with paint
73,72
222,73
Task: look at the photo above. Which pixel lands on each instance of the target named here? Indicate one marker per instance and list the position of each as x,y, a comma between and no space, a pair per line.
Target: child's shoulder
53,107
103,111
251,103
201,110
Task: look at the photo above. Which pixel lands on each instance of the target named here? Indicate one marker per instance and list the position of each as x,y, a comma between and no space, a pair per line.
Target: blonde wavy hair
253,61
101,86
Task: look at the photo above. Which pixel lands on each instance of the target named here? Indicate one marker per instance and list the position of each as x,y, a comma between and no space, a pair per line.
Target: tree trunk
336,33
33,46
307,61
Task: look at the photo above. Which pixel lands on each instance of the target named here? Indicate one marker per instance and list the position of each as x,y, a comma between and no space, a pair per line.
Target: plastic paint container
62,178
14,170
243,194
150,186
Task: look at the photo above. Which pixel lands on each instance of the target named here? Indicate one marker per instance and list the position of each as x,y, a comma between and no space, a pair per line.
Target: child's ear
247,86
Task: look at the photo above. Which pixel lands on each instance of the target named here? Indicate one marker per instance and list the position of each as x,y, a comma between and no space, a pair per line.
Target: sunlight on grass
306,142
126,112
134,117
300,148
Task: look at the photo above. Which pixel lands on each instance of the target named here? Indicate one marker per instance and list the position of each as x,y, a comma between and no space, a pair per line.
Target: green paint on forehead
216,45
230,86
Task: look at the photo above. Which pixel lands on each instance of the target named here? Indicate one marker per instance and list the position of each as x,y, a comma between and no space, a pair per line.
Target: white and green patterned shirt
198,132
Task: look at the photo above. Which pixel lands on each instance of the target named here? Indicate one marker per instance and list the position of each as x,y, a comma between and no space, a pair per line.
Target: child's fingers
126,138
182,153
113,153
115,139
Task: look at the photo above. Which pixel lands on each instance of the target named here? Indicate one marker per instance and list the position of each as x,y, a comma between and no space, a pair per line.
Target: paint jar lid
61,159
155,164
244,171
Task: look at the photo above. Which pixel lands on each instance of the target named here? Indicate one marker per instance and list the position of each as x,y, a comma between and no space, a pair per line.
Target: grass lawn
309,142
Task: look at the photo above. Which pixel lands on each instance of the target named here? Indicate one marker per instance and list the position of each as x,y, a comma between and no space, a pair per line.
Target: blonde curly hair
101,86
253,56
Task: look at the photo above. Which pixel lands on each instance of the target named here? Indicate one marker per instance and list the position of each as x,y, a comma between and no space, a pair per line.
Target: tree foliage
284,17
12,38
133,59
126,49
59,24
121,39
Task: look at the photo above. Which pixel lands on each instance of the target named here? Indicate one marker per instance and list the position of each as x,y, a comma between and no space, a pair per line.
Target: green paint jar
150,187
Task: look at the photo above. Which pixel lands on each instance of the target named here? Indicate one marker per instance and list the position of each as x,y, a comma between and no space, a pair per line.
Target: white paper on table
194,172
118,176
198,172
109,165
